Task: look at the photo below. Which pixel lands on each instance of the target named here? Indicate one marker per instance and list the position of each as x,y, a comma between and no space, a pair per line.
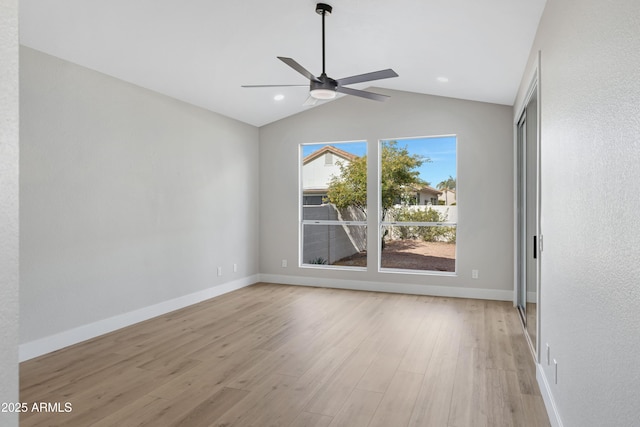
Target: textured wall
8,207
128,198
590,289
485,166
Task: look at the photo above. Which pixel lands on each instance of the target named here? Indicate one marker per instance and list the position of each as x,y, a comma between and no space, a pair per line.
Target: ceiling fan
324,87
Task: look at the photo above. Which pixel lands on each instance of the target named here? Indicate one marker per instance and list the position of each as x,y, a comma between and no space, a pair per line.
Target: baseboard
402,288
549,402
58,341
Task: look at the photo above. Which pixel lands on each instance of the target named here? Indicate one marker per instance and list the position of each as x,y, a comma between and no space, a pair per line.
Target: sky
441,150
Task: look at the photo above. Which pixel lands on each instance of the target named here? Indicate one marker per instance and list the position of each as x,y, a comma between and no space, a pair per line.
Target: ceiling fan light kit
323,93
324,87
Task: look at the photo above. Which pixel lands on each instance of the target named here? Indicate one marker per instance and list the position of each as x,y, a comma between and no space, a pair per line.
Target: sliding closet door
528,240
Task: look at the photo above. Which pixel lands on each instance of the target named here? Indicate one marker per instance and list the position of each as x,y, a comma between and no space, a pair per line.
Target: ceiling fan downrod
322,9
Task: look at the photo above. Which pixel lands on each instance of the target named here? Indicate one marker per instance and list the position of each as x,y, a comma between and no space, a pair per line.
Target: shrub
450,234
426,233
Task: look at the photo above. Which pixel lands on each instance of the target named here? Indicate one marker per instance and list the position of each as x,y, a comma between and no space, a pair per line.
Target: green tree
350,188
447,185
400,179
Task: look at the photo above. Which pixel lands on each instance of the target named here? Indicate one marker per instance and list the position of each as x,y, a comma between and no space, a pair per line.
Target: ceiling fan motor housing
325,88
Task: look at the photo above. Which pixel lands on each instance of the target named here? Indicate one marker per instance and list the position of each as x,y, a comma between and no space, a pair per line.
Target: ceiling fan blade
376,75
310,101
299,68
362,93
275,85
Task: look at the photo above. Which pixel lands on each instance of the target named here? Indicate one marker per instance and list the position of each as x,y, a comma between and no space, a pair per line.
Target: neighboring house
317,170
448,197
427,196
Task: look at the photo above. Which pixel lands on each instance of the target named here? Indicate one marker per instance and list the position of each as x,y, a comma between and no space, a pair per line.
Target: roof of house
329,149
428,189
312,191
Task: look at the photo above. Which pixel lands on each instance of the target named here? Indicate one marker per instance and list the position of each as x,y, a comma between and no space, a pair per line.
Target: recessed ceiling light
279,97
442,79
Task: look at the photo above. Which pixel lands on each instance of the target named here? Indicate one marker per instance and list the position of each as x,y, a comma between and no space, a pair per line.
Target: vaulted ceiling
202,51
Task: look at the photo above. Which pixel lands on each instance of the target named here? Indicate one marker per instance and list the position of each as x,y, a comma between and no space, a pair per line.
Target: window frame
308,222
382,224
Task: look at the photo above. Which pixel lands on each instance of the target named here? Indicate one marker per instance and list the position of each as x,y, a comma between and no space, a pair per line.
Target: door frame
518,245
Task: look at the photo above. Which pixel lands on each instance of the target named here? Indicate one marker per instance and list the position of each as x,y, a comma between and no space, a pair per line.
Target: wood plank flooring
275,355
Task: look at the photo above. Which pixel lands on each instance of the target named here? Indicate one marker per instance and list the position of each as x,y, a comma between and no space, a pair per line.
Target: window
333,215
414,236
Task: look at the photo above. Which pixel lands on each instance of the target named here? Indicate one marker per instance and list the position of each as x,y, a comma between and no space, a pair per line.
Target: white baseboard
55,342
549,402
402,288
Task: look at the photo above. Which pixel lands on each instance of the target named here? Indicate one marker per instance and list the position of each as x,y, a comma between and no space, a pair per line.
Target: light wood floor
274,355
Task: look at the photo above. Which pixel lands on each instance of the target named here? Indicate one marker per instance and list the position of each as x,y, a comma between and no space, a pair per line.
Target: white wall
317,173
128,198
590,106
485,156
8,207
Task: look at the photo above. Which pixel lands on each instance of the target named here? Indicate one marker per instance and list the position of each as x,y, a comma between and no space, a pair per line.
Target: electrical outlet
219,271
235,268
284,263
555,373
474,274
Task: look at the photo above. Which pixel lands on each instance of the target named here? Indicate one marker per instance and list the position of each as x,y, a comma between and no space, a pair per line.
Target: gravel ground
411,255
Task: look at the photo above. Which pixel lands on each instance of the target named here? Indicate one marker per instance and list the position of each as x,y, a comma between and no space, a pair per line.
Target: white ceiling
202,51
